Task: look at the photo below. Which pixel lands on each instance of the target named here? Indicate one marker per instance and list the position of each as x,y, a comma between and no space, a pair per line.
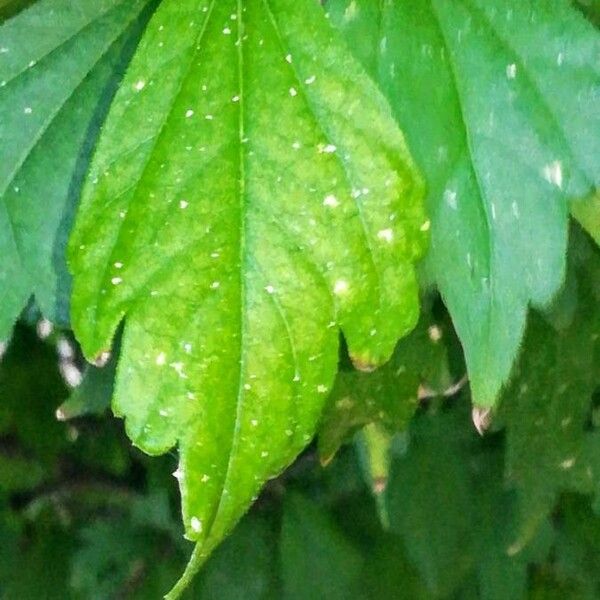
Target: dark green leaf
93,395
316,560
430,501
499,101
245,566
448,501
56,67
389,395
547,406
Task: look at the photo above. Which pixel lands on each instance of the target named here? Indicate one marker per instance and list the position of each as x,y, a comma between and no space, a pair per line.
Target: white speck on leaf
450,199
435,333
340,287
386,235
327,148
568,463
331,201
553,173
196,524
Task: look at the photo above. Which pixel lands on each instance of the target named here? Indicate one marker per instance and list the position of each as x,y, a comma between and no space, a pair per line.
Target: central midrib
243,259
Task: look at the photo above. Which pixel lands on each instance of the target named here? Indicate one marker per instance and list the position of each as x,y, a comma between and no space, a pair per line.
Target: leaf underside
499,102
238,245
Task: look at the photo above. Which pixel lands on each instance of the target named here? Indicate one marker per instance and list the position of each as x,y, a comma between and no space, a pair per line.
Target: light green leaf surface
250,196
587,212
56,64
499,102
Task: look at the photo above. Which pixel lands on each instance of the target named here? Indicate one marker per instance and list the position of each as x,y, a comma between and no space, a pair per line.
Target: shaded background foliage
83,514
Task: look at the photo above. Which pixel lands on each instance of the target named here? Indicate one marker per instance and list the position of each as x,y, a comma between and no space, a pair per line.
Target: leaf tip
482,418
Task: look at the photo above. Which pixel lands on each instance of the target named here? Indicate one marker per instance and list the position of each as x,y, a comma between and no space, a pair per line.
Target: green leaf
374,449
447,500
18,473
37,569
389,395
245,566
499,104
587,212
317,561
578,546
547,406
237,248
430,503
56,73
31,388
93,395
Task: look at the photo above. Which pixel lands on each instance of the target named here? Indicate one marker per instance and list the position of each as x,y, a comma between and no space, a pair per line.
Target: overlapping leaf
499,101
56,69
316,559
447,500
250,196
388,396
547,408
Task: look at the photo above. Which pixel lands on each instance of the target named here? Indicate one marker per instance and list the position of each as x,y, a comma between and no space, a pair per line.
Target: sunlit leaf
236,248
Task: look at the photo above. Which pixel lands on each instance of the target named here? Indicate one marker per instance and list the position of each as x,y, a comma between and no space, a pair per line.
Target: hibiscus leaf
57,68
499,102
237,248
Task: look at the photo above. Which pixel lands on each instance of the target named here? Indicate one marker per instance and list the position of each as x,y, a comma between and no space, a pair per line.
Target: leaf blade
236,250
488,113
50,93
